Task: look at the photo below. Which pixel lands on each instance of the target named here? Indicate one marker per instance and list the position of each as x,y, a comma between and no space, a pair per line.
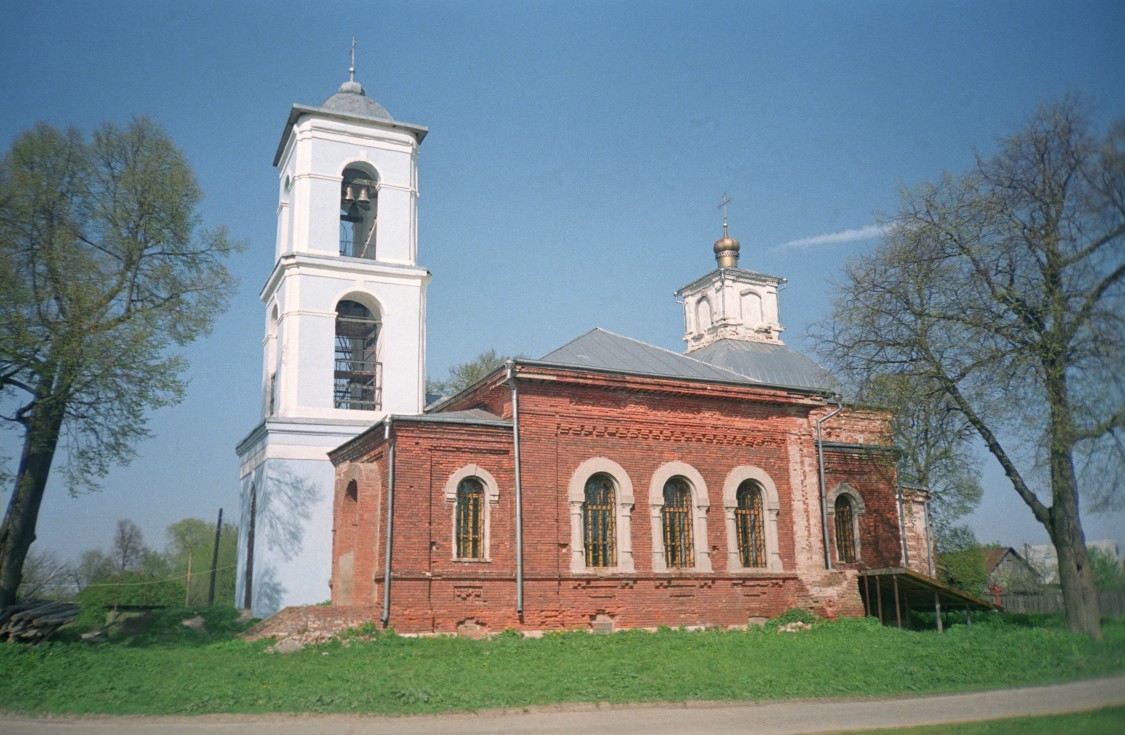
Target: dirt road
782,718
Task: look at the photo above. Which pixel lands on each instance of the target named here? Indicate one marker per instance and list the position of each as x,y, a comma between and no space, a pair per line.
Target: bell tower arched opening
357,379
359,213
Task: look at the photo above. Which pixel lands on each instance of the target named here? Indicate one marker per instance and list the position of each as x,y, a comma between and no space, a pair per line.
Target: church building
609,484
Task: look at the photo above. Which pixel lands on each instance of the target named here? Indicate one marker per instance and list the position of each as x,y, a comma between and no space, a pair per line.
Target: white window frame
771,507
623,502
491,498
700,504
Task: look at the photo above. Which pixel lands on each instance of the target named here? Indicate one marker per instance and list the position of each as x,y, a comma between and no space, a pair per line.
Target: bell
363,200
349,195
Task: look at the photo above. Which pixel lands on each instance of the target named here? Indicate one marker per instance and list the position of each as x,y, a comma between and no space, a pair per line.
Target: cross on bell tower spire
726,248
351,69
723,204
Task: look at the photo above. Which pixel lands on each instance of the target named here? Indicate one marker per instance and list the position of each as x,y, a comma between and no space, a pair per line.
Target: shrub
127,589
792,615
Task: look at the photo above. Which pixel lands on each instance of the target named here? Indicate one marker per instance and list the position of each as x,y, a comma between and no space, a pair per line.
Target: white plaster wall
294,481
307,329
318,151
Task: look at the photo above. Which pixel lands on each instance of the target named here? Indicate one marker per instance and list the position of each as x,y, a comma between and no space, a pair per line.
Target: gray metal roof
471,416
355,102
352,104
766,363
602,350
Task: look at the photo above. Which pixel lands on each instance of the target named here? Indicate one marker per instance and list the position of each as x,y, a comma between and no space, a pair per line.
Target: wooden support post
879,591
937,611
187,581
898,605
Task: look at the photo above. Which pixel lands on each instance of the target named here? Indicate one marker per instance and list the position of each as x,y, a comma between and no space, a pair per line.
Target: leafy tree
965,569
1108,573
93,565
1000,294
193,539
105,270
464,374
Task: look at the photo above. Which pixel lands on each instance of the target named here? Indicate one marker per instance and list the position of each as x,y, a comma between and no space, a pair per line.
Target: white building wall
285,464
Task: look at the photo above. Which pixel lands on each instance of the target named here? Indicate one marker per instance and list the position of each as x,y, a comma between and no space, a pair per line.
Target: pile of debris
35,620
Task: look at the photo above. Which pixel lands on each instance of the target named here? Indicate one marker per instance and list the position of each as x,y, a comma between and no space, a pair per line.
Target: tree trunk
1080,596
41,438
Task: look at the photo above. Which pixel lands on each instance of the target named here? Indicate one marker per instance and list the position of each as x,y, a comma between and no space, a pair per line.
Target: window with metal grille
357,382
677,523
470,519
750,525
845,529
599,522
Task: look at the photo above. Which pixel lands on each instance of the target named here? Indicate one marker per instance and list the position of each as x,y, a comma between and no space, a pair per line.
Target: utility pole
215,560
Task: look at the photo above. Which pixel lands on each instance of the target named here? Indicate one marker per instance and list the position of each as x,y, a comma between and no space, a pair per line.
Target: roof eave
418,131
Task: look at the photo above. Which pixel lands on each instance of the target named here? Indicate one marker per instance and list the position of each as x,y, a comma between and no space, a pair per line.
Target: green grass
168,669
1110,721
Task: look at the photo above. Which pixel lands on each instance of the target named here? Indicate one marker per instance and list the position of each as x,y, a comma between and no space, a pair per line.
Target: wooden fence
1112,603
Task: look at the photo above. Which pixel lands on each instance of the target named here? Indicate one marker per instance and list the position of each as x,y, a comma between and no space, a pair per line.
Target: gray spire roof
351,100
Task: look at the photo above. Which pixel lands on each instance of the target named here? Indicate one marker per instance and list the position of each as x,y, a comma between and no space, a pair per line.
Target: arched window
470,519
703,315
357,381
677,523
845,529
599,522
358,214
750,523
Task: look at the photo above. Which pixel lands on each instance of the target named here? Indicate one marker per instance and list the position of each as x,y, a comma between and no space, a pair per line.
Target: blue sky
577,154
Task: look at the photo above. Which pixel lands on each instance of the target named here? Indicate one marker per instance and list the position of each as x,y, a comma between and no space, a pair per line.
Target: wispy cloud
870,232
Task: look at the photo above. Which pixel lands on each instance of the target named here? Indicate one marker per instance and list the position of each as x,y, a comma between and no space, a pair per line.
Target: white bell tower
345,339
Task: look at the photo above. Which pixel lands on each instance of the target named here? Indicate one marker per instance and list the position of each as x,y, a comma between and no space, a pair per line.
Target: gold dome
726,250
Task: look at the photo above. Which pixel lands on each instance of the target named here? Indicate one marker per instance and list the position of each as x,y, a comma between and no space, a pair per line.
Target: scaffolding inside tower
358,374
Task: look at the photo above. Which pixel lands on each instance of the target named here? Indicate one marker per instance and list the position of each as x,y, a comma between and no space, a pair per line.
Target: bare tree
1001,293
105,269
464,374
936,452
129,549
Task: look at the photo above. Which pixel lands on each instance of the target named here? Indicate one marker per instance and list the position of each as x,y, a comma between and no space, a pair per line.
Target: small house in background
1008,573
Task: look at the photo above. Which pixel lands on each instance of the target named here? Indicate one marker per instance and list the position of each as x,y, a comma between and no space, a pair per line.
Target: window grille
358,381
678,550
750,524
845,529
599,522
470,519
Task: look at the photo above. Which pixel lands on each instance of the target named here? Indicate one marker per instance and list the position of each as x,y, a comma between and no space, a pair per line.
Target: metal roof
767,363
602,350
356,104
471,416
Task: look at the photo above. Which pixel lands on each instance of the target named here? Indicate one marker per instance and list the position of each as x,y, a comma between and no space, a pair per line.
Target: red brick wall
640,426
